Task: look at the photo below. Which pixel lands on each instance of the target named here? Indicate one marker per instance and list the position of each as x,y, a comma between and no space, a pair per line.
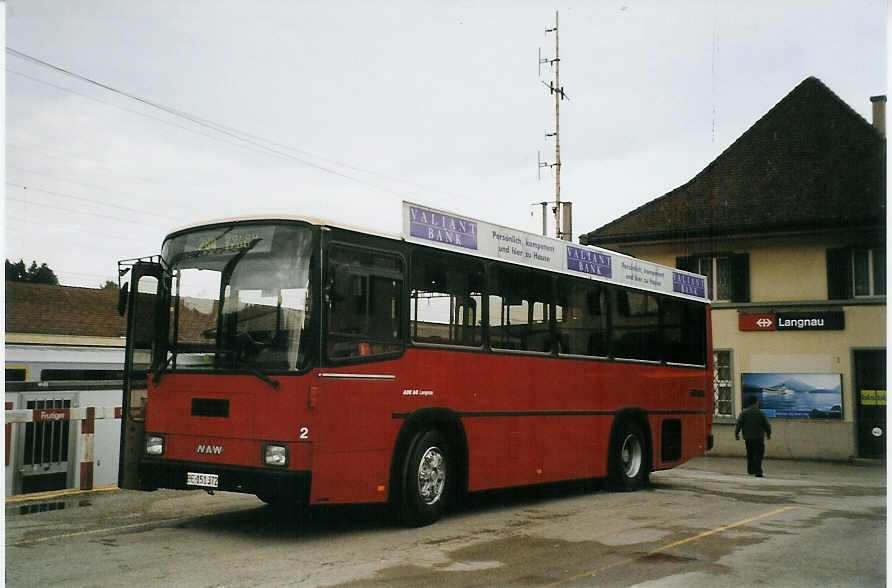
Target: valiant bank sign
445,230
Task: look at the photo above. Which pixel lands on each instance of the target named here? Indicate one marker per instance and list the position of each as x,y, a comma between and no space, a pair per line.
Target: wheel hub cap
631,456
432,475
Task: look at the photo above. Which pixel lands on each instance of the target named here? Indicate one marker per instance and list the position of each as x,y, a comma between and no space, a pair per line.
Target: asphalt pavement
706,523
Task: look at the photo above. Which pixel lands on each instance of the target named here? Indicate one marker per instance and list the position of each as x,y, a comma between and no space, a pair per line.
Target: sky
127,120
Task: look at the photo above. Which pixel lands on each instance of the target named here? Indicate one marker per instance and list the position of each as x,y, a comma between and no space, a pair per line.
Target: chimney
879,112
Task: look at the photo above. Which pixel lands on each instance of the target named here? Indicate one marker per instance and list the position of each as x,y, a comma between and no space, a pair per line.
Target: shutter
740,277
839,273
688,264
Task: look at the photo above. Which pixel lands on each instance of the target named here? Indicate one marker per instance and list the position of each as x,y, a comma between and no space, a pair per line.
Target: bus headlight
154,445
275,455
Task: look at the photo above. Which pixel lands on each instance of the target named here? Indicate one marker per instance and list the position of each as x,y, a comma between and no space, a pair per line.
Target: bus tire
428,479
630,464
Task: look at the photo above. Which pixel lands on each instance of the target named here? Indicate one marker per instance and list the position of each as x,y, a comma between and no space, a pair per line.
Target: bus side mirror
122,298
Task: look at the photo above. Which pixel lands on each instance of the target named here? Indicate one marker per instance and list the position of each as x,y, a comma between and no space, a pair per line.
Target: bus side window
636,326
584,328
364,306
684,329
520,303
446,300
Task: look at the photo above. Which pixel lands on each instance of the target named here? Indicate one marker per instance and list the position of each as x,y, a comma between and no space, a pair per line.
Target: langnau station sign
824,320
833,320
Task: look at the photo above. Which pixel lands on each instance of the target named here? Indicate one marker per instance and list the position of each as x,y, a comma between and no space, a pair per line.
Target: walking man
755,427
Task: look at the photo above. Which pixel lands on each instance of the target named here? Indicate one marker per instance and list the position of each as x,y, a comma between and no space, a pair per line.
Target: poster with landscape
796,396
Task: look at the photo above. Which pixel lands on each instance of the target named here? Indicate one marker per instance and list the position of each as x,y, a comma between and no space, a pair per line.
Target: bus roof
431,227
282,217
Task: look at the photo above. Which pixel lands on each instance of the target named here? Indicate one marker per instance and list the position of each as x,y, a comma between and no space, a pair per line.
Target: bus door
140,302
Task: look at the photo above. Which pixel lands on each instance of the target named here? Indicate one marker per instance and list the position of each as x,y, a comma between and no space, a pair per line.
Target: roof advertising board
428,226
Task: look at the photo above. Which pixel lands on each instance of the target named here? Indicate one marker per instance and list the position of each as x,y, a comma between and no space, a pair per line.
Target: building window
727,274
16,374
717,269
856,271
723,385
56,375
869,271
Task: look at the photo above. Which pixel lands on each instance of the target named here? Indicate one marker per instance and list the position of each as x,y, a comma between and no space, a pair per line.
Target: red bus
307,362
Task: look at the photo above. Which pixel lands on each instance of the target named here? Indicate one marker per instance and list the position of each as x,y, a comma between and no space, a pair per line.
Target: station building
788,224
64,351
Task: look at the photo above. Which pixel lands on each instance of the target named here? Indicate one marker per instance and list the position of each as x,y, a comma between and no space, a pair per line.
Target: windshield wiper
256,371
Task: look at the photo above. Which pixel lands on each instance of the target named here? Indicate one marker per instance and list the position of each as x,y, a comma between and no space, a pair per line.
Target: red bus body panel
528,419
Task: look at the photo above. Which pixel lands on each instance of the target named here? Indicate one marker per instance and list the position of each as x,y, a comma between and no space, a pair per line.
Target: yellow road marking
51,495
596,571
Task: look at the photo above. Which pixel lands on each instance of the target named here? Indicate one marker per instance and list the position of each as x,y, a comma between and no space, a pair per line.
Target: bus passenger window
684,332
582,327
636,326
446,300
364,303
519,310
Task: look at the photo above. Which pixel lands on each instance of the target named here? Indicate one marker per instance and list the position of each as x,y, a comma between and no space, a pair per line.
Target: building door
870,395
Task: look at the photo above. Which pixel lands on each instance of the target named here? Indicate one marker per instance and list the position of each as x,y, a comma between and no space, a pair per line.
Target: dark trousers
755,451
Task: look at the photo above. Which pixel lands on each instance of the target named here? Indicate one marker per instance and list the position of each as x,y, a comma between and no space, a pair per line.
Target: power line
244,137
131,111
63,209
18,227
101,164
83,199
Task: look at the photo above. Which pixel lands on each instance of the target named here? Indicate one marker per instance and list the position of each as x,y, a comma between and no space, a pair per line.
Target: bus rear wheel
428,477
630,465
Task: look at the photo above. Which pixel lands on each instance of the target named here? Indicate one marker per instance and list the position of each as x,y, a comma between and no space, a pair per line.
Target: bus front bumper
160,473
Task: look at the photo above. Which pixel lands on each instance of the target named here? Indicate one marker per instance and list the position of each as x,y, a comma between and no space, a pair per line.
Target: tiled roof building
42,309
788,225
811,162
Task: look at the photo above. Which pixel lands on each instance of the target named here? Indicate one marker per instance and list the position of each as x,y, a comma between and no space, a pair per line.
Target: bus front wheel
630,466
427,479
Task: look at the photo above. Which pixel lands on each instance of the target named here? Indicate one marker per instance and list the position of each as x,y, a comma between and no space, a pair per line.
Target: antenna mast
561,209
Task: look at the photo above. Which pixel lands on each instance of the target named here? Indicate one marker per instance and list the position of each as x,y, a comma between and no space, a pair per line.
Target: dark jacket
753,423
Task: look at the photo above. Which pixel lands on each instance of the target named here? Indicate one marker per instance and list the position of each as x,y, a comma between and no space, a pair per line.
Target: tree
16,272
36,274
109,285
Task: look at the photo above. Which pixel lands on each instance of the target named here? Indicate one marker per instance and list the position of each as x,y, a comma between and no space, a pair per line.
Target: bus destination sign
446,230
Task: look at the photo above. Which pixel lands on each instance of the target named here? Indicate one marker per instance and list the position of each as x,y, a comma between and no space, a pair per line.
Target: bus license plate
203,480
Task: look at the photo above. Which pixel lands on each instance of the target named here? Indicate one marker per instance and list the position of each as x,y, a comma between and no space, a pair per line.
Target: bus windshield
240,298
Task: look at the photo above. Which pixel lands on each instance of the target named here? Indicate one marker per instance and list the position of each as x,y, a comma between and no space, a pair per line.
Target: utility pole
561,209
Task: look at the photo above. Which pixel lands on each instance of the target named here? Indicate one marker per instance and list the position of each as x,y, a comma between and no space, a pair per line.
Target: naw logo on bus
203,449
